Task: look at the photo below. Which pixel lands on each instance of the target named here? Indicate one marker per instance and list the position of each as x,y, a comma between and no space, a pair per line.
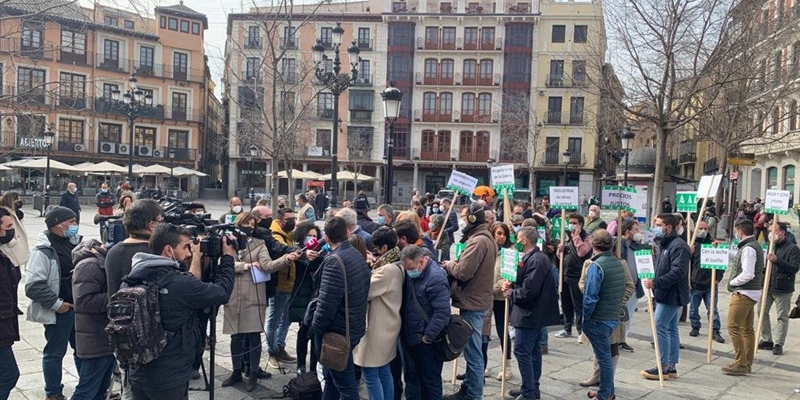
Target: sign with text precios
618,198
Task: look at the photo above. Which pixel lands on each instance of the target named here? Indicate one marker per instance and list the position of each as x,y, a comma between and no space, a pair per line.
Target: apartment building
275,101
494,82
60,64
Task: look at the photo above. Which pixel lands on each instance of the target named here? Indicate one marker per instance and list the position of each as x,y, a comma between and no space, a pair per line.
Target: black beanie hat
57,215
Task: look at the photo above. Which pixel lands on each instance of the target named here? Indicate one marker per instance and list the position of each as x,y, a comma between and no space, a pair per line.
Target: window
449,37
777,66
428,141
326,35
364,72
551,150
288,101
253,68
467,143
581,34
793,115
484,104
401,34
772,178
173,24
109,132
146,60
162,22
471,38
361,99
487,38
324,141
446,104
325,105
110,54
179,104
554,110
519,35
364,41
431,37
253,38
558,33
447,69
31,79
487,67
579,72
574,148
443,143
71,86
359,142
576,110
288,40
32,34
73,42
195,28
128,24
178,139
111,21
70,131
184,26
31,125
467,104
556,73
431,68
776,121
180,65
144,136
482,142
108,89
249,99
429,103
788,178
470,69
289,69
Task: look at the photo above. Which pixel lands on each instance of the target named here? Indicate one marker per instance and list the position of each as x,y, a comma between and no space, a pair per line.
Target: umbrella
297,174
40,163
105,167
347,176
484,191
155,169
83,166
4,168
183,171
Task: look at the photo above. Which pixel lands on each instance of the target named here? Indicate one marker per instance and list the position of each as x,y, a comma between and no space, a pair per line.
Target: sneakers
563,334
273,362
718,338
283,356
765,345
652,374
777,350
517,394
579,338
625,347
487,373
735,370
695,332
509,374
671,371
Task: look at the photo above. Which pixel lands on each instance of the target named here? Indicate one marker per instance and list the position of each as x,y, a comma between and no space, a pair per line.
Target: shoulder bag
335,350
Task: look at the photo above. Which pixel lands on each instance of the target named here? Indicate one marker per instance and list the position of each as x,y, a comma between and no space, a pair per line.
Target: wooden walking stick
711,309
506,219
655,336
561,262
765,290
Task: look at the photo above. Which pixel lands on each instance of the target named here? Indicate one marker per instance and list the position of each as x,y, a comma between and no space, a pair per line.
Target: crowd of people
385,286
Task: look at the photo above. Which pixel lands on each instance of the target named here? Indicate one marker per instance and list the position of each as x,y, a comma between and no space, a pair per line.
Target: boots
236,376
595,379
252,382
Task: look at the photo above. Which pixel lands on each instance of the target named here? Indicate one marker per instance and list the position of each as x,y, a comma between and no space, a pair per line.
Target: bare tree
520,138
359,152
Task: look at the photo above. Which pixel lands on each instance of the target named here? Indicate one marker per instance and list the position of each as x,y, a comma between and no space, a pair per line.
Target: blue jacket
71,201
534,297
672,271
433,295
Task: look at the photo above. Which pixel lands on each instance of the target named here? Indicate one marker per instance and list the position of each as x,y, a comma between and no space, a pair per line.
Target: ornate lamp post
566,158
337,83
49,136
392,97
171,166
133,103
250,190
626,137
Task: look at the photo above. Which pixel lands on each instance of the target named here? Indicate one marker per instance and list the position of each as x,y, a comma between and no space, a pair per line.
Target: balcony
486,45
478,118
252,77
75,102
147,69
711,165
324,114
425,79
68,57
436,154
576,118
687,153
366,44
361,115
288,43
252,42
520,8
116,64
552,117
183,114
364,80
481,80
433,115
437,44
14,46
106,106
480,155
557,81
35,96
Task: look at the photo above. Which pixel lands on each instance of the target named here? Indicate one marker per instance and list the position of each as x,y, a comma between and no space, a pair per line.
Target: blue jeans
58,335
473,354
339,385
529,358
9,371
694,308
599,335
277,331
95,377
666,317
429,372
543,342
380,384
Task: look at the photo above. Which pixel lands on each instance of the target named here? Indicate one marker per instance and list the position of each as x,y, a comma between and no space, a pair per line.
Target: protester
305,211
612,226
139,220
14,244
235,208
631,238
442,246
90,292
9,317
785,264
593,220
671,291
472,293
167,377
105,200
49,276
361,207
302,293
70,199
491,218
385,215
353,228
278,319
451,225
408,233
574,252
426,311
124,202
701,286
501,235
330,312
534,305
321,202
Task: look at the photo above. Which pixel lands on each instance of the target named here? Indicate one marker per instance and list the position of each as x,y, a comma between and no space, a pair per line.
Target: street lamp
250,190
391,109
171,166
133,103
337,83
626,137
566,158
48,136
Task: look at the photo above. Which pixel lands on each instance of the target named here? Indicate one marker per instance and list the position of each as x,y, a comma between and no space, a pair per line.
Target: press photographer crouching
181,295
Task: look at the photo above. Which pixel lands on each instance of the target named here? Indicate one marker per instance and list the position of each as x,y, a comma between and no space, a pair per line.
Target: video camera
175,212
211,243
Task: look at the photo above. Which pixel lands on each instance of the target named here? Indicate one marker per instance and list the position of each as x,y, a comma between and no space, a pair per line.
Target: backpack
305,386
134,326
454,337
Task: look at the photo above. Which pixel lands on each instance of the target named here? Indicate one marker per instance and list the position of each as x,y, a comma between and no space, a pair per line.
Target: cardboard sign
540,244
564,197
229,219
556,228
542,232
714,257
503,178
708,184
459,248
641,203
509,259
686,201
619,198
644,264
462,183
777,201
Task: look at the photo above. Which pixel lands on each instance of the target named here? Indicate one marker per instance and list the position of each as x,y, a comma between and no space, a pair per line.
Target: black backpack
134,326
304,387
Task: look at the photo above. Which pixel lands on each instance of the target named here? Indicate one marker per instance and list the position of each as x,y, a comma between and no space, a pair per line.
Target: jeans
339,385
783,303
666,317
238,351
543,341
95,377
58,335
473,354
429,372
178,393
529,359
631,305
380,385
599,335
500,323
574,292
412,380
694,308
278,311
9,371
740,327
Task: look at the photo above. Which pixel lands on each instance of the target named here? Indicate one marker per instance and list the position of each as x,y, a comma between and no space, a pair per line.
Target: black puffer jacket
90,291
329,314
785,267
672,279
9,320
534,298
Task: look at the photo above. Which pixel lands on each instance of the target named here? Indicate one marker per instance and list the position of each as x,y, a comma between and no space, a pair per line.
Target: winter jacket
180,299
474,272
379,345
329,315
594,224
104,202
303,290
306,213
785,268
451,226
364,235
701,278
533,297
245,311
17,249
91,300
671,283
576,251
618,335
43,281
430,289
286,276
71,201
366,223
9,320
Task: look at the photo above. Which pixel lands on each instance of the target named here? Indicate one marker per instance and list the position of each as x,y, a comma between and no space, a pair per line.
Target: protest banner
565,198
502,177
459,183
708,187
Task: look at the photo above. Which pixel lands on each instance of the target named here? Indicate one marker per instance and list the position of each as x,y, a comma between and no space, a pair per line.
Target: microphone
102,218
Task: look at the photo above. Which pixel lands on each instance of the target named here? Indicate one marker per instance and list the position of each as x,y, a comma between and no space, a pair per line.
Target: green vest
757,283
612,289
594,225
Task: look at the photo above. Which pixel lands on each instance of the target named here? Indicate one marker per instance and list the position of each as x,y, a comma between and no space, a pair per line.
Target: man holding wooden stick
747,278
786,261
701,286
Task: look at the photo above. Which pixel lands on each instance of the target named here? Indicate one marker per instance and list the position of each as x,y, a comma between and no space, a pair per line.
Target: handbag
454,336
335,350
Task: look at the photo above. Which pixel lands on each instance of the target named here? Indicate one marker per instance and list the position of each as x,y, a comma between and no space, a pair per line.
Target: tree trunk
720,195
658,174
532,185
273,190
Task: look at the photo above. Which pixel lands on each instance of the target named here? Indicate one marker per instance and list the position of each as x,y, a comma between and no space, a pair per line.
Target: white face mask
680,231
702,233
462,224
236,209
638,237
592,214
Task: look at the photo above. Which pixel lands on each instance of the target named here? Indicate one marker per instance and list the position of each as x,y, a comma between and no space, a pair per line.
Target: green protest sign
686,201
509,259
503,179
714,257
777,201
462,183
459,248
557,229
644,264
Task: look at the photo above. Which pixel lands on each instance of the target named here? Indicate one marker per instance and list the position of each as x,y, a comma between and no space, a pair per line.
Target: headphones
471,210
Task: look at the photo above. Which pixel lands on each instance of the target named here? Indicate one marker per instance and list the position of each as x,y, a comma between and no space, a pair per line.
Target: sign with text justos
714,257
462,183
709,184
619,198
564,197
509,259
644,264
776,201
503,178
686,201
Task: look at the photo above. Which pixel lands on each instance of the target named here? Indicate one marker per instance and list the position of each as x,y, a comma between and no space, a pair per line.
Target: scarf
393,255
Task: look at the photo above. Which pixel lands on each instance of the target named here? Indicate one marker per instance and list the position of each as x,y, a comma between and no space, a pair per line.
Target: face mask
517,228
72,231
572,227
702,233
265,223
771,235
680,231
297,204
288,226
462,224
104,190
658,231
8,237
236,209
413,274
380,220
18,204
246,230
592,214
518,246
638,237
281,205
436,209
73,190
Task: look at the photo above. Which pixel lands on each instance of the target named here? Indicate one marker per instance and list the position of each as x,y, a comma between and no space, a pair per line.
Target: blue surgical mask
658,231
72,231
381,220
436,209
571,227
413,274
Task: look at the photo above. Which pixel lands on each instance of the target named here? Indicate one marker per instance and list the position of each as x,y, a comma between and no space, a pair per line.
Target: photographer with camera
180,296
139,220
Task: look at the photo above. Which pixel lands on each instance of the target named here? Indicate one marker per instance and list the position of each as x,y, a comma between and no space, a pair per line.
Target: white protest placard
714,257
540,244
564,197
644,264
462,183
777,201
509,260
503,178
542,232
619,198
709,184
641,203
